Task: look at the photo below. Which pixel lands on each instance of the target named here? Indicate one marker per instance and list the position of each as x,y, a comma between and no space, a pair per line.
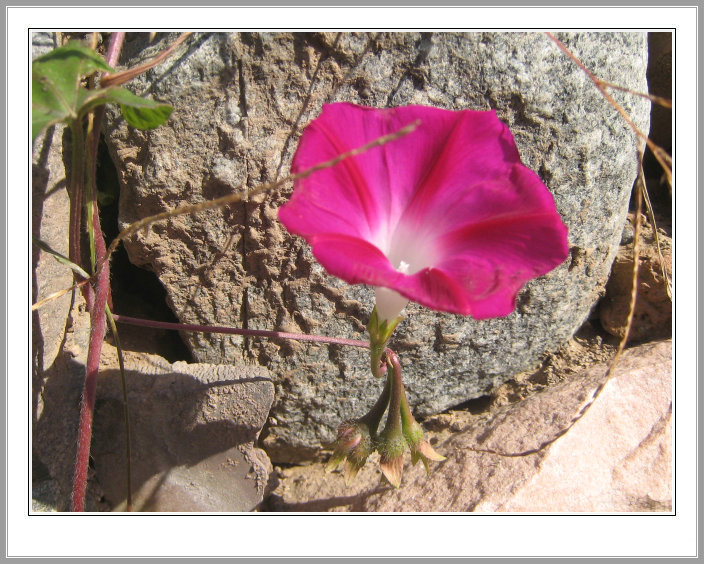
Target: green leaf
141,113
147,118
58,95
57,92
60,258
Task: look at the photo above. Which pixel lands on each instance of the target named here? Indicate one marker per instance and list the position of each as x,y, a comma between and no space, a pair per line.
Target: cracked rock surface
241,101
194,426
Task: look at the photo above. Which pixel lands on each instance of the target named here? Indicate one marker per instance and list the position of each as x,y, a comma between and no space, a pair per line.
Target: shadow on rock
193,428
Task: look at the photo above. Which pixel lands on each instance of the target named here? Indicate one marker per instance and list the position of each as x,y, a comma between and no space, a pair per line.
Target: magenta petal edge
447,216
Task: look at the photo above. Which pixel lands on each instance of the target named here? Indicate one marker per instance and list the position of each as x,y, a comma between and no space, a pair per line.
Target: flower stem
393,422
374,415
392,443
237,331
406,415
380,331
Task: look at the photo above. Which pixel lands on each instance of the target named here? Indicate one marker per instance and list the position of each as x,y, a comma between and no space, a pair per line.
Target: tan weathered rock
194,426
616,458
652,318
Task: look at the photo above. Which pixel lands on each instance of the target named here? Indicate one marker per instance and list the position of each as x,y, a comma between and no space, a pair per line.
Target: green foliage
58,94
139,112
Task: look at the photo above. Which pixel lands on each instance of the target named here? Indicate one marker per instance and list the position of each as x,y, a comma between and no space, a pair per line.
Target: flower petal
348,198
479,148
367,194
354,260
447,216
520,237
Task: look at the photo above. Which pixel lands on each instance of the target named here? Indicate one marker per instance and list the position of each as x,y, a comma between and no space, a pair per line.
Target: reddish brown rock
652,318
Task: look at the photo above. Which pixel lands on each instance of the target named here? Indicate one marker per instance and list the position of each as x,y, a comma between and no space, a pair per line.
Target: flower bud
420,448
353,445
391,447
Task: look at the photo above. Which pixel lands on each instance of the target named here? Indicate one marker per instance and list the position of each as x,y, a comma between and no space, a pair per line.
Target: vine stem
99,296
85,426
237,331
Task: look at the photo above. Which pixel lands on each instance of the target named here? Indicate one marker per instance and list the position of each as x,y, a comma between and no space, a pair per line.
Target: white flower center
390,304
409,252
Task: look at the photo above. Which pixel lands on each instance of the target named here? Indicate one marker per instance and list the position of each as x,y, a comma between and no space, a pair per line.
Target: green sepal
380,332
391,444
379,335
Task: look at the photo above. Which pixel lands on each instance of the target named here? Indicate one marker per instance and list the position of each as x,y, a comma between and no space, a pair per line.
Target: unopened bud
420,448
391,448
353,445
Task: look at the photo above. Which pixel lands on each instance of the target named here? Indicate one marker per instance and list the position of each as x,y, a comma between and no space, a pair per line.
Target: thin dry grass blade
651,217
659,100
58,294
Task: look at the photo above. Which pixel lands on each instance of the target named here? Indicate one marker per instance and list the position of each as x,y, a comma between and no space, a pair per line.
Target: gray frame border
361,3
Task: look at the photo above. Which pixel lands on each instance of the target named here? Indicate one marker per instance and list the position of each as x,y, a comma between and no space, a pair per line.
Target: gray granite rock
241,101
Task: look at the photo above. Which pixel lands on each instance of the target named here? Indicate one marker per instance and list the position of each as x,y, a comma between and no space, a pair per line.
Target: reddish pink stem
97,334
114,48
97,310
236,331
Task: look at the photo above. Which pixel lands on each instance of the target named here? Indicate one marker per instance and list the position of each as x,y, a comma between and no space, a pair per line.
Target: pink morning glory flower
447,216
